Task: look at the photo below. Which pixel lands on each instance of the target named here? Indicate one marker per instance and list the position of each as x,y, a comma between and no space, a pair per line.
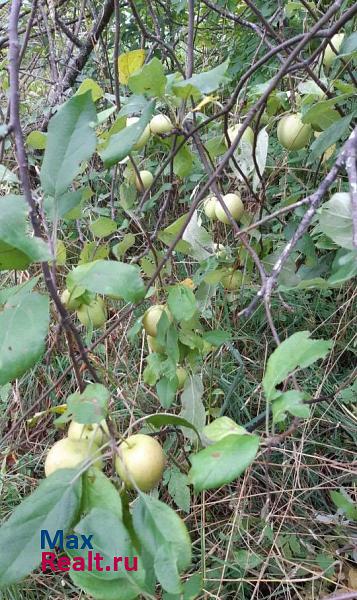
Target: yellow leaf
206,100
90,84
128,63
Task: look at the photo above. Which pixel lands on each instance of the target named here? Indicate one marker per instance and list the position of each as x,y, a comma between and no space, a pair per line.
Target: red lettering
116,560
48,561
135,563
63,563
78,563
98,558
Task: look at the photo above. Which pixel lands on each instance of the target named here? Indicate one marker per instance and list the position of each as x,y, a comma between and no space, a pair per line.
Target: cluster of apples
159,125
150,322
140,459
90,309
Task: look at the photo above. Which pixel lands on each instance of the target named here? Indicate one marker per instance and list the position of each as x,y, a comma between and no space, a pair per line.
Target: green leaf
296,351
193,409
92,86
217,338
202,83
53,505
91,252
37,140
344,267
167,419
183,161
329,137
110,278
7,175
166,390
122,143
156,525
88,407
223,462
71,140
57,208
179,490
23,329
110,539
16,245
181,302
17,290
150,80
349,45
165,565
99,492
344,503
336,219
221,427
321,115
103,227
153,369
122,247
292,402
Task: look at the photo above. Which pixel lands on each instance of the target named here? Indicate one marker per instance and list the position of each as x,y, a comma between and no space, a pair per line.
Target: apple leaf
201,83
220,428
103,226
110,539
193,409
222,462
150,80
298,350
330,136
166,390
17,248
336,219
122,143
291,402
93,87
109,277
23,329
99,492
129,63
158,525
52,506
168,419
71,140
88,407
181,302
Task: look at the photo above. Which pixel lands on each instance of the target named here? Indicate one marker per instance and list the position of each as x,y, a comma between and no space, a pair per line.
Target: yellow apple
329,54
152,317
234,205
68,454
160,124
293,134
248,135
93,432
209,206
94,314
141,460
68,300
143,139
146,180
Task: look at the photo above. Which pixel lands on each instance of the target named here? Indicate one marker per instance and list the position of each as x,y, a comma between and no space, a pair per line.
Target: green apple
143,139
152,317
161,124
93,432
234,205
181,375
248,135
232,280
293,134
329,54
69,301
140,460
146,180
209,206
68,454
94,314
